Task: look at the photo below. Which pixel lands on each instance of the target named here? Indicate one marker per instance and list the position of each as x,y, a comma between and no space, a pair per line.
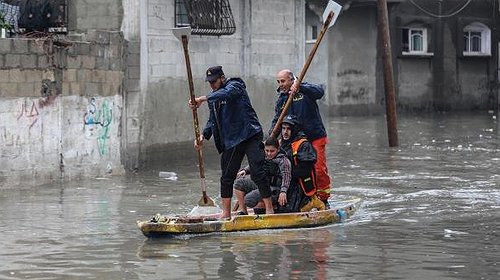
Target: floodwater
430,210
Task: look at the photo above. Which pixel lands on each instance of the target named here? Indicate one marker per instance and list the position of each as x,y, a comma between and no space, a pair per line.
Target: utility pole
438,63
390,98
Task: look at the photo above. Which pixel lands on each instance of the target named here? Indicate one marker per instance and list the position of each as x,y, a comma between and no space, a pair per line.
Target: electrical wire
440,16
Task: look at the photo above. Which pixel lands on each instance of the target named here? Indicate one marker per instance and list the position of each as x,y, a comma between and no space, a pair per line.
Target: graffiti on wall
352,87
349,72
30,110
350,93
29,113
97,121
158,12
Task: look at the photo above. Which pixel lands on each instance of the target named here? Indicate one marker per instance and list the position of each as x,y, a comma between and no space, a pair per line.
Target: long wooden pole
277,125
390,99
205,200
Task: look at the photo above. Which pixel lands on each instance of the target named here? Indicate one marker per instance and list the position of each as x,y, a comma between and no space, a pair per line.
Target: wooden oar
183,34
331,10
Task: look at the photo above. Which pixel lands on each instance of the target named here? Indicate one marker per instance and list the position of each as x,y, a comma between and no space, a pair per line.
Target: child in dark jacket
278,170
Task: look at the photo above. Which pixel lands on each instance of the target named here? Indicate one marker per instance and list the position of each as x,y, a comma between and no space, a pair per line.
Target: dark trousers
231,163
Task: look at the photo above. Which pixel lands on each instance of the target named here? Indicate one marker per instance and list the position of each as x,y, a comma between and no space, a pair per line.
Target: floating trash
167,175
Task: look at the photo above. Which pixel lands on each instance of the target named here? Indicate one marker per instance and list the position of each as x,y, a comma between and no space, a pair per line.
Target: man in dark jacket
237,132
305,108
302,157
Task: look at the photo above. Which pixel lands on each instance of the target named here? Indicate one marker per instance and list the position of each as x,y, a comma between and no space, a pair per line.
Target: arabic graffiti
353,94
98,121
353,87
30,112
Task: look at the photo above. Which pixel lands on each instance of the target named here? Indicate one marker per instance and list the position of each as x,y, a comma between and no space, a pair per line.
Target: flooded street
430,210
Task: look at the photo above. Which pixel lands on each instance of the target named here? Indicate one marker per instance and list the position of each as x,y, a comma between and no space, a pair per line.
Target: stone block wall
60,108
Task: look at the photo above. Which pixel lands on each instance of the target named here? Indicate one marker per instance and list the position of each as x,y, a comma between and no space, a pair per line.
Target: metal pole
390,99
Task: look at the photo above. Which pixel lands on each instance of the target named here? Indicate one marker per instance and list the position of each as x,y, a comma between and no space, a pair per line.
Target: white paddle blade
332,7
182,31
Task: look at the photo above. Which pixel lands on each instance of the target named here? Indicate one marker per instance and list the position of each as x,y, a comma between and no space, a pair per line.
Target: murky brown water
430,210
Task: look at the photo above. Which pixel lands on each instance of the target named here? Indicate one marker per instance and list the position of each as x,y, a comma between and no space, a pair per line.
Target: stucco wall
61,107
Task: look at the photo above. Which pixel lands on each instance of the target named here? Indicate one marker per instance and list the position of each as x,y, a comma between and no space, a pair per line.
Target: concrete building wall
94,15
61,107
441,79
87,105
318,70
414,83
444,79
475,91
353,65
122,100
264,42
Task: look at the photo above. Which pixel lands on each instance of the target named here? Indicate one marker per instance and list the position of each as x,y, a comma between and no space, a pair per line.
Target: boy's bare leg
269,205
240,196
226,208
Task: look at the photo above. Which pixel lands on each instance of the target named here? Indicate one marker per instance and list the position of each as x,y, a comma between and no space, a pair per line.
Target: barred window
181,14
414,40
477,39
206,17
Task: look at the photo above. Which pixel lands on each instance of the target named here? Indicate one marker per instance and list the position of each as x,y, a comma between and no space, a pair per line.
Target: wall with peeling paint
61,108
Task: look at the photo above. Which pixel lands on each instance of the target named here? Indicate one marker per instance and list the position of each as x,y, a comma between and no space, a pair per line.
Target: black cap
290,120
213,73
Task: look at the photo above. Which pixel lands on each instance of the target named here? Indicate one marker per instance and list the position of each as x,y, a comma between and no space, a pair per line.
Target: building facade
445,56
110,95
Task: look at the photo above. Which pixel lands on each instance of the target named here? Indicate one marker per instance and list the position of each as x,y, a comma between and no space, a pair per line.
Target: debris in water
167,175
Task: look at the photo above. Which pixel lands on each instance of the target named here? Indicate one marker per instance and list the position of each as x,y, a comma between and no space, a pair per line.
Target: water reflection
281,254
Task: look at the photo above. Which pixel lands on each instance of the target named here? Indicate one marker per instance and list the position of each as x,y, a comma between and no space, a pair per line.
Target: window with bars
414,40
472,41
477,39
181,14
311,33
206,17
314,32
